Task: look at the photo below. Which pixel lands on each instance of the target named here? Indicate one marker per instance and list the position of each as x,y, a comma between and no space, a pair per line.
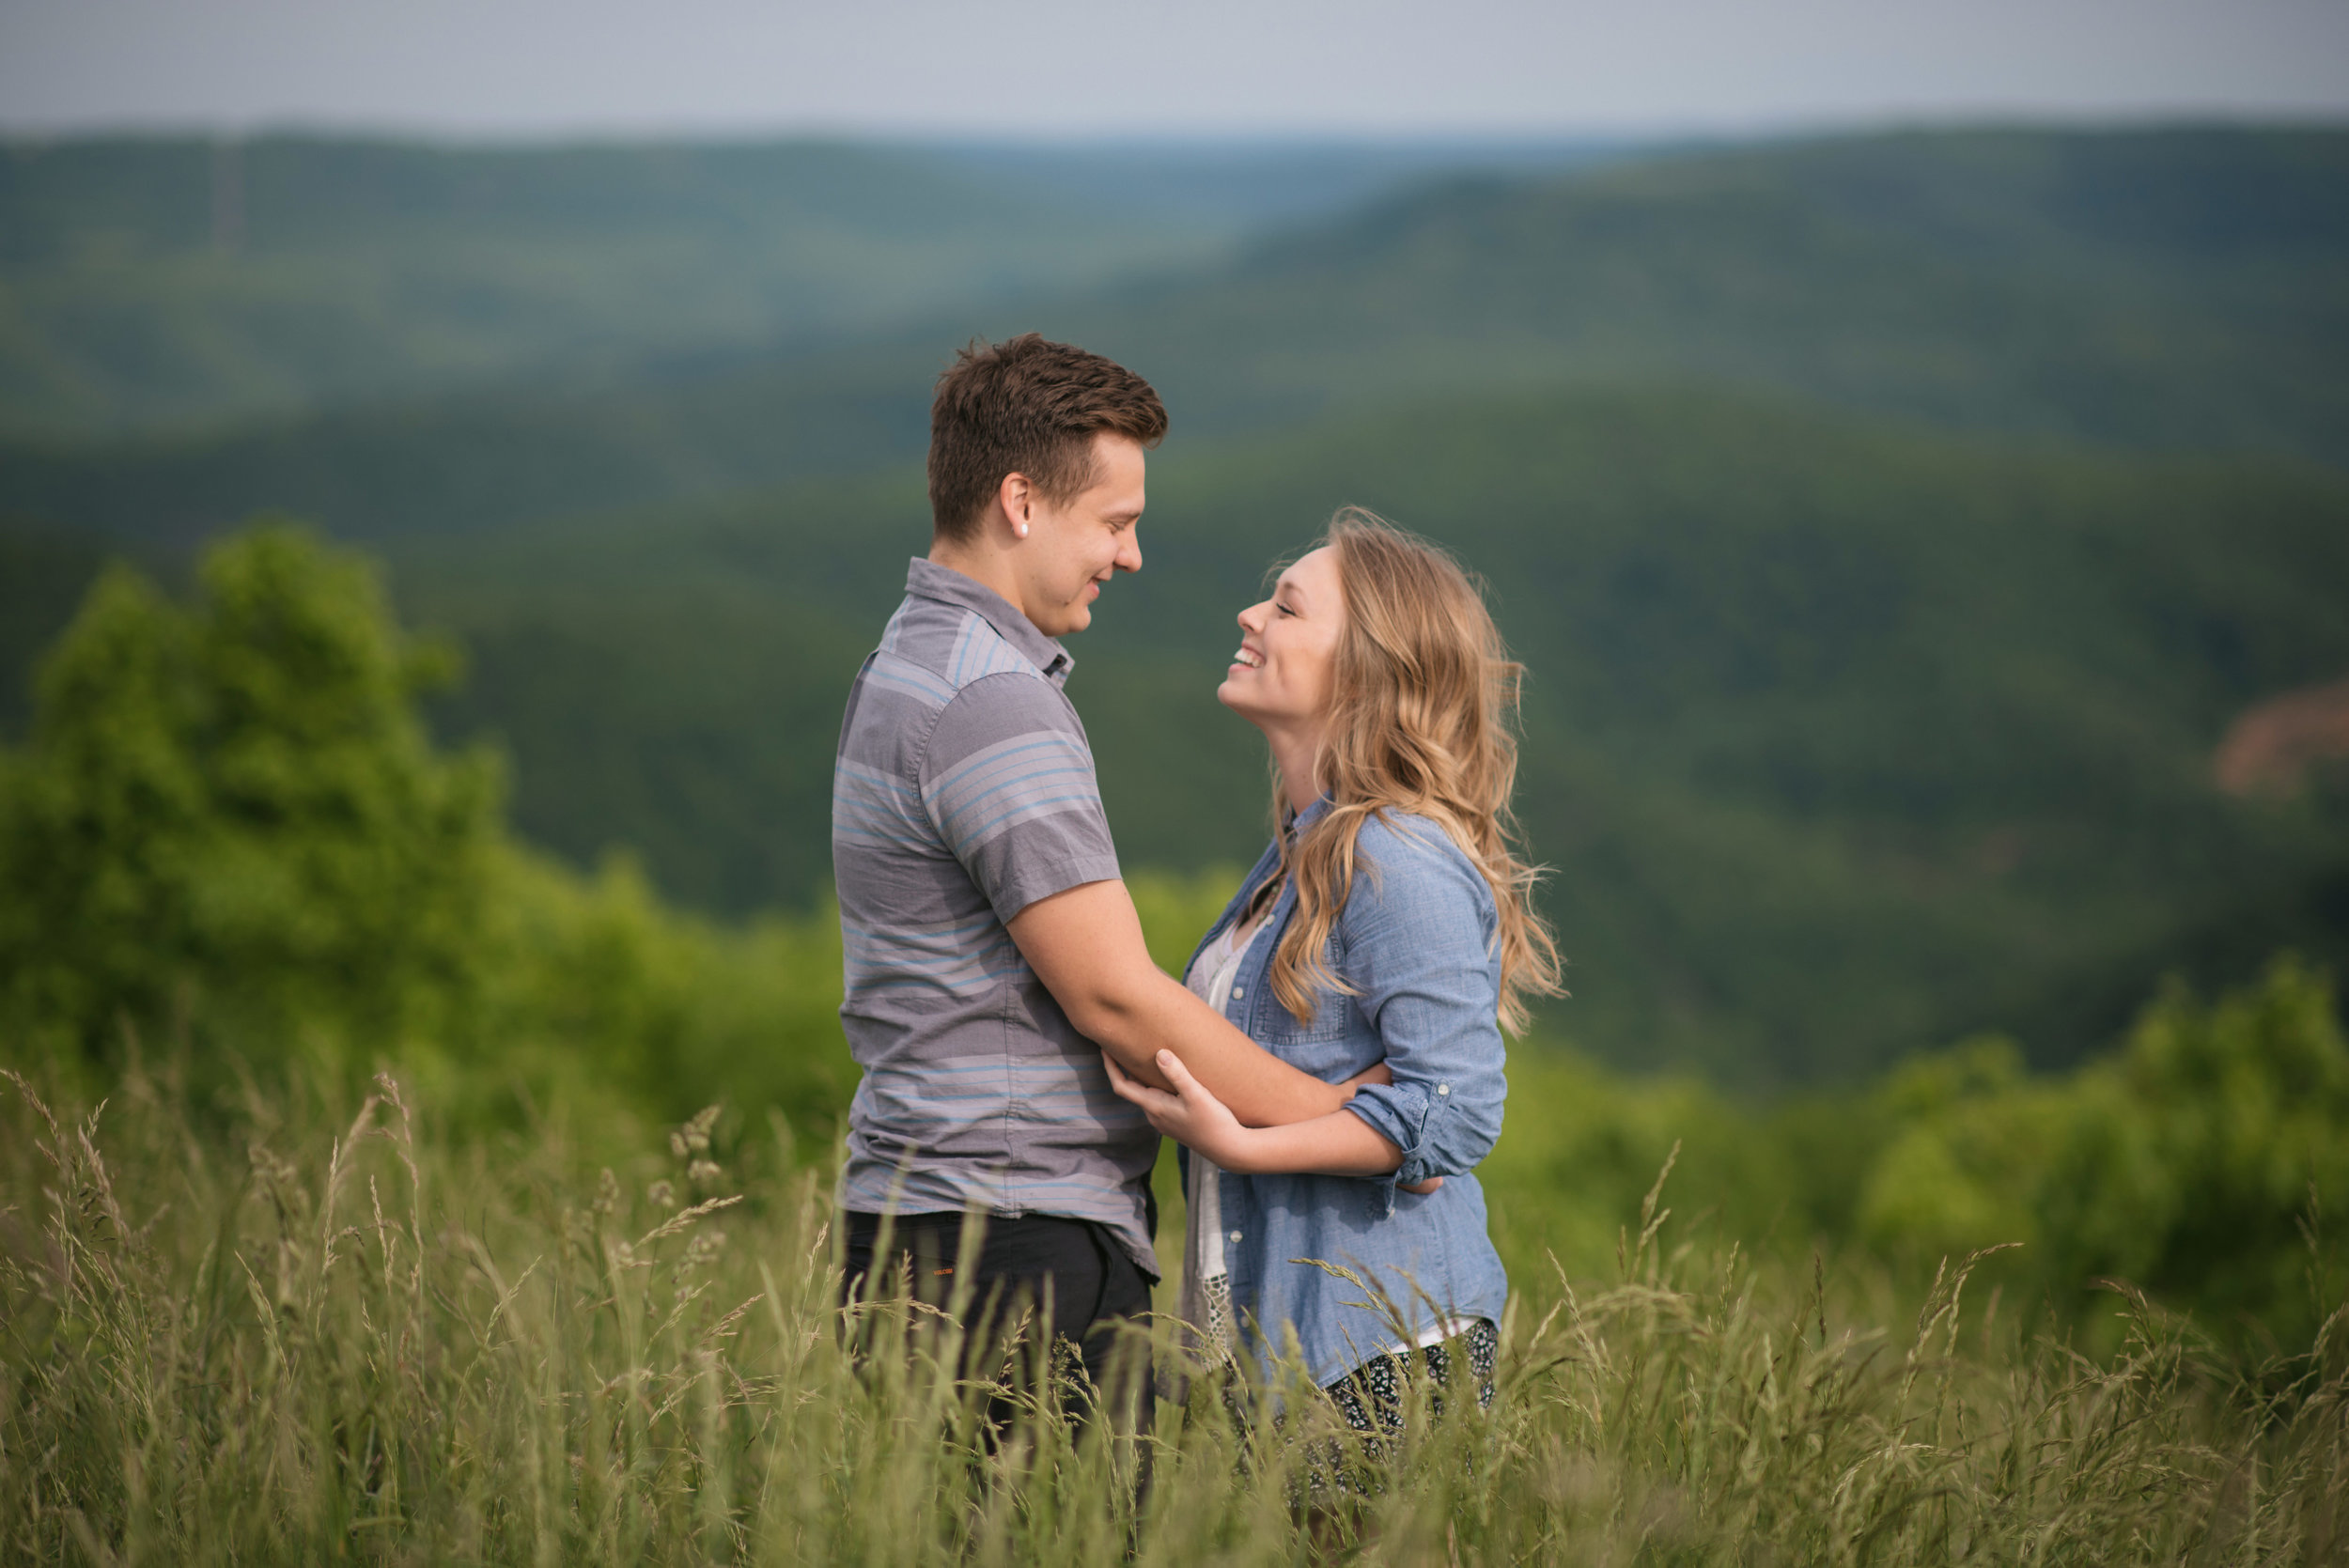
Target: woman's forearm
1338,1145
1085,944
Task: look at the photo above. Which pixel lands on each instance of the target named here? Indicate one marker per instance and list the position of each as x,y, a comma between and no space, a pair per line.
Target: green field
322,1330
264,1304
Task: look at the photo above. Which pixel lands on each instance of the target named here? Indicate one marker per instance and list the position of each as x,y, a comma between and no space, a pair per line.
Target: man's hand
1188,1114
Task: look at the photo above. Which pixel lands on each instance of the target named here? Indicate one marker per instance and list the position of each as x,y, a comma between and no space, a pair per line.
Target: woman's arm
1418,932
1338,1145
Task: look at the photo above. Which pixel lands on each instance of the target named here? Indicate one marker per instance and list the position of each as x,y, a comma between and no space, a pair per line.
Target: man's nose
1130,553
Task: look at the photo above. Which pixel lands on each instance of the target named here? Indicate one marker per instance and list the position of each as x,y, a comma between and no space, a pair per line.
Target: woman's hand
1191,1115
1197,1120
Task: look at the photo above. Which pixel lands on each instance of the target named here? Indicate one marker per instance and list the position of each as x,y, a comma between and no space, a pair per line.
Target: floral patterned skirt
1371,1396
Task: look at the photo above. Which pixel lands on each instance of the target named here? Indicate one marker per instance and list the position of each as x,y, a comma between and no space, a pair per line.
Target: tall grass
254,1335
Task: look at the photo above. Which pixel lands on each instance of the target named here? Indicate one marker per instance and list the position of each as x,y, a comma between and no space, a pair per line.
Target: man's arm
1085,944
1338,1145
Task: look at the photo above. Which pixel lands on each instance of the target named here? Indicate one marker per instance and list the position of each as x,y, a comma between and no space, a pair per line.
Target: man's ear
1016,499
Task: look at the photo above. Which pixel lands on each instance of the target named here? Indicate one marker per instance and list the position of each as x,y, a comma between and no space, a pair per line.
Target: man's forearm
1085,944
1262,1089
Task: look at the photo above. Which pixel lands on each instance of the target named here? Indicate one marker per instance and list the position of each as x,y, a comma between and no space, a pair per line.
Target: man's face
1070,550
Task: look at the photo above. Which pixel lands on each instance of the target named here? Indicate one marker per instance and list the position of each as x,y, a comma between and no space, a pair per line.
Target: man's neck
989,569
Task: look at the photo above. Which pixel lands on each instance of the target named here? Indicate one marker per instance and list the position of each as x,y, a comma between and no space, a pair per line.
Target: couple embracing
1333,1062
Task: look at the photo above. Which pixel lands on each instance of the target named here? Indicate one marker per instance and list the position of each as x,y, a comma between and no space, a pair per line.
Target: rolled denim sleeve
1419,931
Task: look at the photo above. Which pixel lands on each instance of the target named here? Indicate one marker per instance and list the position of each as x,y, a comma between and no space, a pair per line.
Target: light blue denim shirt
1417,942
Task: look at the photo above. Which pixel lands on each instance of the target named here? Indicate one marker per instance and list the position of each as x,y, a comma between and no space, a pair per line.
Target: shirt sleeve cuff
1037,882
1398,1113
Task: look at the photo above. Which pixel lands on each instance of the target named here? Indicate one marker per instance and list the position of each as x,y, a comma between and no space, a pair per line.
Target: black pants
1096,1287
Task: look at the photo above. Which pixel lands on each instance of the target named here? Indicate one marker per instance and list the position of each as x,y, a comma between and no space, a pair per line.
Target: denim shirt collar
1306,818
930,580
1266,863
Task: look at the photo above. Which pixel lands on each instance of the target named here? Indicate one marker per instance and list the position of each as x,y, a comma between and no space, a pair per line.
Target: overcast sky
1063,68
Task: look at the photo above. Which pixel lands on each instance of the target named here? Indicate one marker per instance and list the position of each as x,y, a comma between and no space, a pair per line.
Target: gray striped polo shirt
964,792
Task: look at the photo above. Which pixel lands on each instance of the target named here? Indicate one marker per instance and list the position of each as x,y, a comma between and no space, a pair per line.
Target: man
992,951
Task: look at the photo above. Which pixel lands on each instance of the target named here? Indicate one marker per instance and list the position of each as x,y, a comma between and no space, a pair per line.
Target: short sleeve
1008,781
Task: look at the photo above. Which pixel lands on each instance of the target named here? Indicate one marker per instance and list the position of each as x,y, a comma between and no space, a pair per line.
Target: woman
1387,921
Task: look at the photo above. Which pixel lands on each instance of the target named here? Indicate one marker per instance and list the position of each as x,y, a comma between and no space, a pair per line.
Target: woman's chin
1235,697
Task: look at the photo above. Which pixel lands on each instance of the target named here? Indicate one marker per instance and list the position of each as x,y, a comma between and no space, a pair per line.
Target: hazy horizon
1052,73
1205,144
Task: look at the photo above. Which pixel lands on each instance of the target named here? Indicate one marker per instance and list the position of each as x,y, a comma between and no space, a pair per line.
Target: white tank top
1207,1293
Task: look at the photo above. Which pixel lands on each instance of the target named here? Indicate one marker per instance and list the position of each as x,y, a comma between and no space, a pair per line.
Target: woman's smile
1288,644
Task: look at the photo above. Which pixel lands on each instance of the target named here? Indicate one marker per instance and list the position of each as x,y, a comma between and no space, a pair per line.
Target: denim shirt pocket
1291,1039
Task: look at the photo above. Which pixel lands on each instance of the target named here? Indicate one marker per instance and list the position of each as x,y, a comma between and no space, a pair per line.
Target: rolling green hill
194,283
184,282
2164,289
1844,737
482,460
2171,291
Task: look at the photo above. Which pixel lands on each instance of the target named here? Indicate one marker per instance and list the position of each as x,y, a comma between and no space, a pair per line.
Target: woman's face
1280,678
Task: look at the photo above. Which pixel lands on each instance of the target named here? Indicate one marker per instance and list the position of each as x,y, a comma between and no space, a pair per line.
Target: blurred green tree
596,978
235,805
2198,1163
231,823
2248,1100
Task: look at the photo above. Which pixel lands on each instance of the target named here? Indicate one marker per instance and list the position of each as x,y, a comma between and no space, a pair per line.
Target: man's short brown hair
1031,406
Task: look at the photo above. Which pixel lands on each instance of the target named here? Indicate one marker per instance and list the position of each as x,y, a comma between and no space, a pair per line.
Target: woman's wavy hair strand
1423,706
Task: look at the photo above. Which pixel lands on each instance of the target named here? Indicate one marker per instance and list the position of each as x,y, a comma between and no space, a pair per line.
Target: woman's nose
1250,617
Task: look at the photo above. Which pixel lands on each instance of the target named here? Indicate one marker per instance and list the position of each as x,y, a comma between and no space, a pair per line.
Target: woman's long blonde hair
1423,697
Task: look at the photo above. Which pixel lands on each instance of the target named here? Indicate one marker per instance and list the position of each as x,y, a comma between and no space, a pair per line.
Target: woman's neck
1297,753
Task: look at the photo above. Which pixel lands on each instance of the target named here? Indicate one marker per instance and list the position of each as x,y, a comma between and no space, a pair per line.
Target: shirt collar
1304,819
930,580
